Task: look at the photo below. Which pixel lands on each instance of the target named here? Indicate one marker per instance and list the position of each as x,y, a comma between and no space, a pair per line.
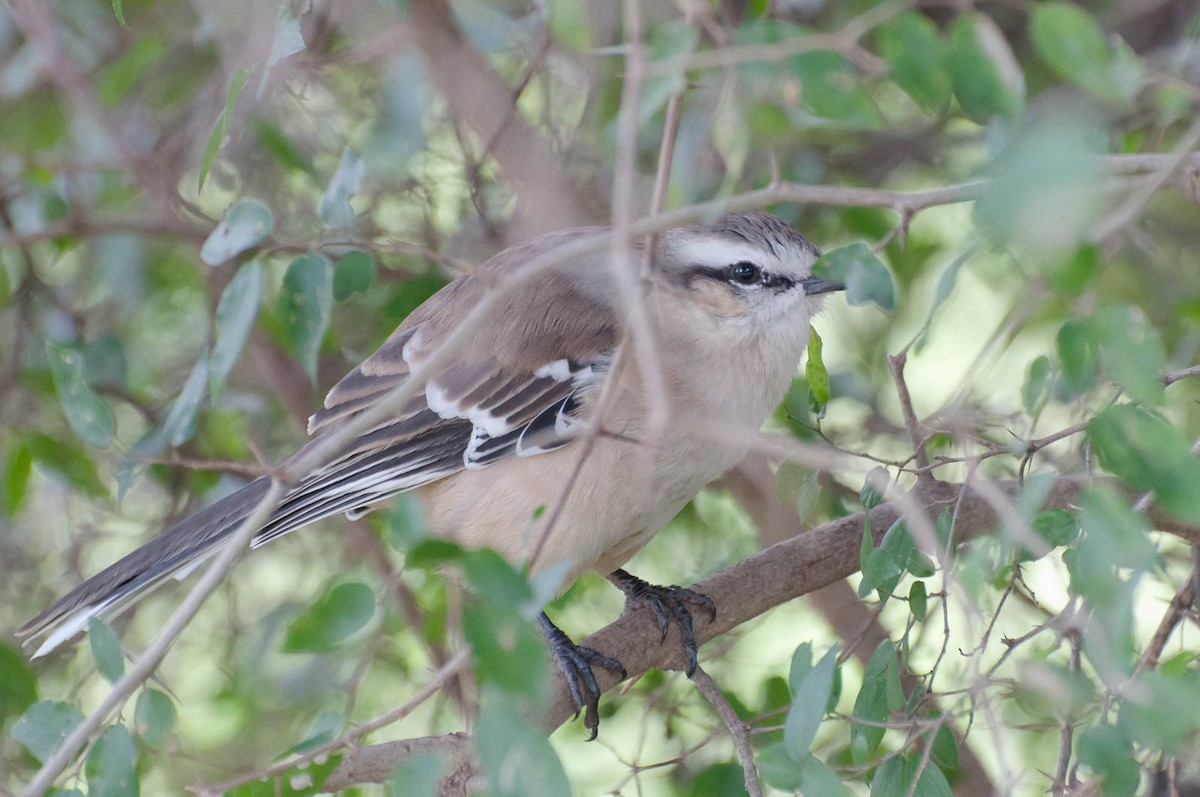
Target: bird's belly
622,497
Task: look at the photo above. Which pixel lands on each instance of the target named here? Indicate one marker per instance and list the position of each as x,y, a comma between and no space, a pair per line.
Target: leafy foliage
198,237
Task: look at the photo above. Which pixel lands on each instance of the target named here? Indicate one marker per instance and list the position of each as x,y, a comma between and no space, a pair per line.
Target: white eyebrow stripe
716,253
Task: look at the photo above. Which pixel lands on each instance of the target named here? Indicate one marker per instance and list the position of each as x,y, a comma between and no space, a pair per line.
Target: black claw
576,663
667,603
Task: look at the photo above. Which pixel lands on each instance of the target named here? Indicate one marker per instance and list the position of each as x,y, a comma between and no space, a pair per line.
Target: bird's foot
576,663
667,603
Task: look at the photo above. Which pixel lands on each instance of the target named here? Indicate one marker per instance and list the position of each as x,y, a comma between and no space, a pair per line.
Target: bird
488,439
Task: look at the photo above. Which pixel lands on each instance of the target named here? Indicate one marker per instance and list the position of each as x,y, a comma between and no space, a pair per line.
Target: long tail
384,462
174,552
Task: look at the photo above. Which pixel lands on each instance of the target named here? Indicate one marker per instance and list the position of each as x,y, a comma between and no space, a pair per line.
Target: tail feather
180,547
364,476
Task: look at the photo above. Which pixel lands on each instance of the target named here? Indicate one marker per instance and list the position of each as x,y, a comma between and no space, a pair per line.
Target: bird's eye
745,273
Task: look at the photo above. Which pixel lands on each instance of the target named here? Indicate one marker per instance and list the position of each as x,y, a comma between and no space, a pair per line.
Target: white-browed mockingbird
487,442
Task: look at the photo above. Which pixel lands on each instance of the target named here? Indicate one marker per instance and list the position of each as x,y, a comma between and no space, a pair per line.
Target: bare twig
1111,226
739,730
896,364
1171,377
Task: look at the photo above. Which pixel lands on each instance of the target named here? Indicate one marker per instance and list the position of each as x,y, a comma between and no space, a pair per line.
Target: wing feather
520,386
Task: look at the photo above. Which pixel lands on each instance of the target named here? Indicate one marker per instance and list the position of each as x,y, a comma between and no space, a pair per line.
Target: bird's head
749,268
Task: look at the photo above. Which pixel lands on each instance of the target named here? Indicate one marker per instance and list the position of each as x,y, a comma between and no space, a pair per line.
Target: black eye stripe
763,278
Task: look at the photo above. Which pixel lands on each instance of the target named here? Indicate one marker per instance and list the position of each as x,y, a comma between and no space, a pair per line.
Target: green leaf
918,600
515,755
334,618
801,666
914,51
431,553
809,706
44,725
90,417
867,278
354,273
881,682
335,209
874,486
110,765
895,778
106,651
1037,383
247,223
180,423
985,74
324,729
830,88
569,25
1071,41
1150,454
154,717
944,528
819,779
944,748
419,776
1079,356
1073,274
668,45
119,13
133,65
18,686
817,376
104,362
235,318
305,302
274,141
18,467
507,649
1164,714
895,556
1130,352
404,524
32,122
797,485
70,461
880,574
1044,189
1109,753
779,769
1057,527
216,138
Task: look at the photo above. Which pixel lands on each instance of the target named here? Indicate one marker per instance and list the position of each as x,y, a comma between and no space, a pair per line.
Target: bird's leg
575,663
667,603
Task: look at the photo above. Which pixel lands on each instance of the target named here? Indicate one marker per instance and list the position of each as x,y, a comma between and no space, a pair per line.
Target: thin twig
1171,377
738,730
896,364
1115,222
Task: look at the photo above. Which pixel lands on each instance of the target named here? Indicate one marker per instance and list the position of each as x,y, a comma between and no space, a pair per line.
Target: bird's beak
814,285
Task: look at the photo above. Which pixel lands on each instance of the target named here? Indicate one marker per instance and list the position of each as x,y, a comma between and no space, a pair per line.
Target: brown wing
519,387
